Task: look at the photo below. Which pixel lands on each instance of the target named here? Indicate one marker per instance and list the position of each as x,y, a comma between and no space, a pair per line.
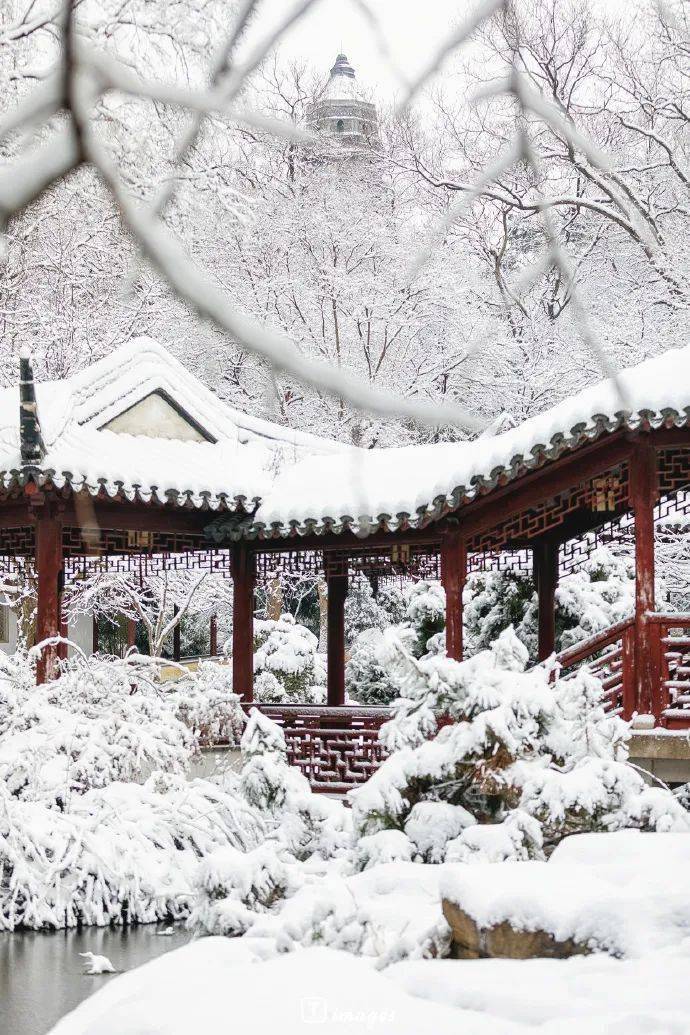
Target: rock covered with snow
619,893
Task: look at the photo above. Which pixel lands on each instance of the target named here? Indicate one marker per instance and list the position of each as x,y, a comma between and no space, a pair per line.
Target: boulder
503,941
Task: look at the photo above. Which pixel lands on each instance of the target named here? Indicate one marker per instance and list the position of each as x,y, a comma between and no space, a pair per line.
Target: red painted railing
671,665
338,748
335,748
610,655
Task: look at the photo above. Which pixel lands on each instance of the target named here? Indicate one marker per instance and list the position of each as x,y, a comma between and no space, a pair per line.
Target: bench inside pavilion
133,460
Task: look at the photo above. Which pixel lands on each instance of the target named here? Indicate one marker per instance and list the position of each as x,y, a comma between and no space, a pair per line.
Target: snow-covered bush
494,600
367,680
306,824
266,777
392,602
287,666
385,846
102,720
362,610
233,886
517,838
125,853
425,613
431,825
597,596
514,742
204,701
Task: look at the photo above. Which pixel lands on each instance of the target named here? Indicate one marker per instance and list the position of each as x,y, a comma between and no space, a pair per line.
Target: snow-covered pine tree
287,666
425,613
493,600
361,609
531,760
600,594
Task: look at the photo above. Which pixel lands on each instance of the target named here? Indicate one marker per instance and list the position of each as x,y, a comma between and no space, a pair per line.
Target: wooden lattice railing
338,748
610,655
671,666
335,748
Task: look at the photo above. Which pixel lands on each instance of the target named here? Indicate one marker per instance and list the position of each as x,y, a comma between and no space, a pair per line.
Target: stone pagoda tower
341,112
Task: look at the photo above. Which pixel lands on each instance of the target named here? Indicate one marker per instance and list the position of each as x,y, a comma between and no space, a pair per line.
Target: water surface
41,974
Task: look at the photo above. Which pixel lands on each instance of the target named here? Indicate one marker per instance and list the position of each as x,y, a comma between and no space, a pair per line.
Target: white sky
413,29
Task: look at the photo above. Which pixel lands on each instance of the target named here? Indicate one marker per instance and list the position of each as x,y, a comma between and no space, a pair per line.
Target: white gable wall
154,417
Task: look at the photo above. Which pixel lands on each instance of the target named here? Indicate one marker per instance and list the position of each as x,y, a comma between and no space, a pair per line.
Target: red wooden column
337,594
132,634
49,570
243,621
643,492
545,563
454,576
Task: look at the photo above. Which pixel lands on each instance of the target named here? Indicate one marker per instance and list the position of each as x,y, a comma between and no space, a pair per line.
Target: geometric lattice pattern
416,561
519,562
78,540
604,493
144,565
335,748
674,470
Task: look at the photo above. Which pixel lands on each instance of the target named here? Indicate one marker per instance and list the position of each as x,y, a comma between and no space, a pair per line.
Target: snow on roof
239,462
358,487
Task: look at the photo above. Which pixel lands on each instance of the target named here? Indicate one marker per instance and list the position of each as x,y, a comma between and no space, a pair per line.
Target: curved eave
67,484
480,485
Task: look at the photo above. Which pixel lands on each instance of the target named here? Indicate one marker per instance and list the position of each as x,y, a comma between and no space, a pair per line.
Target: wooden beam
454,576
531,489
49,573
15,515
328,540
243,622
545,564
643,491
337,594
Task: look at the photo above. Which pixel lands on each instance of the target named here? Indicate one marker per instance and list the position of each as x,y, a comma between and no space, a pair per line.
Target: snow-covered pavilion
135,457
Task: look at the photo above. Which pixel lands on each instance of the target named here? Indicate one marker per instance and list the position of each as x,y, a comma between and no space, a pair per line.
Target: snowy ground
390,909
215,982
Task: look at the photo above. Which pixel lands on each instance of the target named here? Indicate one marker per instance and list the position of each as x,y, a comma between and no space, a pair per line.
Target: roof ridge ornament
33,449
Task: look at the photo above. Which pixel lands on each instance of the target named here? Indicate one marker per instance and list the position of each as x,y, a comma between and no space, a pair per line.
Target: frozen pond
41,975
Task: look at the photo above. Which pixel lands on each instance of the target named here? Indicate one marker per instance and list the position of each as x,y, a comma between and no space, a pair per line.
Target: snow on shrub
102,720
515,741
494,600
287,666
597,596
204,701
517,838
386,846
306,823
425,612
367,680
266,777
233,886
362,610
431,825
122,853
